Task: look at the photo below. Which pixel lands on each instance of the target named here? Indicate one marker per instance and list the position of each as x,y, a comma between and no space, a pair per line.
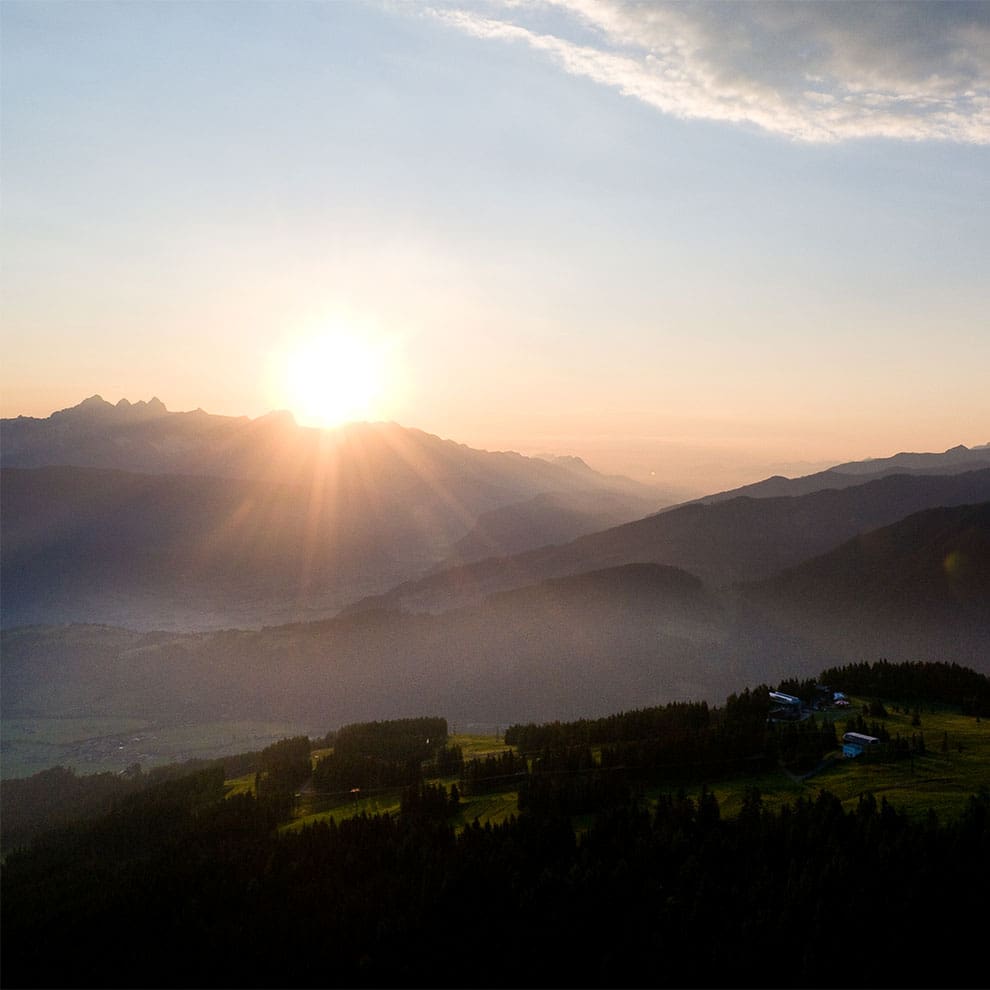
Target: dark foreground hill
654,861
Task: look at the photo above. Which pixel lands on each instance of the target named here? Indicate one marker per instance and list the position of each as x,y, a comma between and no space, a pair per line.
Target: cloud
809,71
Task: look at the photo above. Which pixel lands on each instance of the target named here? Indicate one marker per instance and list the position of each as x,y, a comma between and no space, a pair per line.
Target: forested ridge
618,870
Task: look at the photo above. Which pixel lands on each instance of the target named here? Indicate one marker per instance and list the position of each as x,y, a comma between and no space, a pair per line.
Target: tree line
944,683
676,743
170,881
179,887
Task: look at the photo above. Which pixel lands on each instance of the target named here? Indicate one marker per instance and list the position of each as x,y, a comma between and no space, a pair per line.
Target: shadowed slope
740,540
920,587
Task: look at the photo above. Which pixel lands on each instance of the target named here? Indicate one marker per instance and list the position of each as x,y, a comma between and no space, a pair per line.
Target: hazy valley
179,569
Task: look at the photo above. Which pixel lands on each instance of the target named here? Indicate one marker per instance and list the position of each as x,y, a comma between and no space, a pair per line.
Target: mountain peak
95,405
141,409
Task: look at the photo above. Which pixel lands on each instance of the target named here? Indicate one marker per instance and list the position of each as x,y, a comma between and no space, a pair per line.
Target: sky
693,243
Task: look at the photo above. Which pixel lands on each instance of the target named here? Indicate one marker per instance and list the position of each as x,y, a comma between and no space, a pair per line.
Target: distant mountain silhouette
919,588
743,539
956,460
145,438
186,520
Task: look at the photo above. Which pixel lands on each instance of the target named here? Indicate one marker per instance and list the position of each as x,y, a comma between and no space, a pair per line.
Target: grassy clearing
312,808
495,807
476,747
239,785
956,765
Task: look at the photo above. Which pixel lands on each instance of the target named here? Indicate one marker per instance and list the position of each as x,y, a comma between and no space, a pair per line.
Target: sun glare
335,377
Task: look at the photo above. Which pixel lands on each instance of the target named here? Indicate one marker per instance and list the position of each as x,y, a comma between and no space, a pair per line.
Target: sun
333,377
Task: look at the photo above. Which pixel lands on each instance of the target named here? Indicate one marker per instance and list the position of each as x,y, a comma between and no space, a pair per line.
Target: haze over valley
185,568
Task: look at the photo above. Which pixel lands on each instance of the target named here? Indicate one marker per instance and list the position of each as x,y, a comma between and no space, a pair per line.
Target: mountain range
235,568
726,542
136,515
955,460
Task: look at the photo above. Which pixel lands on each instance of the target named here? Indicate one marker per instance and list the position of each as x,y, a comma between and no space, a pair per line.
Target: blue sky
701,240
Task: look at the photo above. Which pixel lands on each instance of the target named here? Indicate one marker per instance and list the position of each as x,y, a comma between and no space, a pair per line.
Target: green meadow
955,765
313,807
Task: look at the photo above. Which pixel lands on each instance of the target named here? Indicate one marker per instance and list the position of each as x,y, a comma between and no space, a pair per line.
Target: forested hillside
622,866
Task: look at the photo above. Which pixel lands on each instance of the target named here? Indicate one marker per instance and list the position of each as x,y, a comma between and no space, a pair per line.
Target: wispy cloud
810,71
